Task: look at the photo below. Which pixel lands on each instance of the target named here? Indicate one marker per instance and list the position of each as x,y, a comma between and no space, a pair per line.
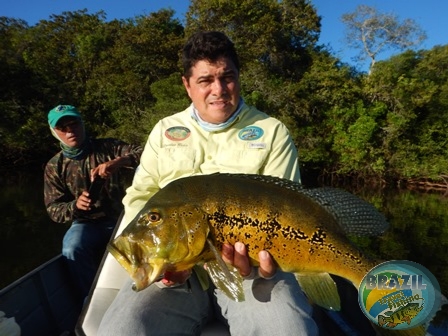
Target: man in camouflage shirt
67,179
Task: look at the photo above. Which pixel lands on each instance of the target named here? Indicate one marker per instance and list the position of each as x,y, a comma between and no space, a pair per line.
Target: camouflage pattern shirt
65,179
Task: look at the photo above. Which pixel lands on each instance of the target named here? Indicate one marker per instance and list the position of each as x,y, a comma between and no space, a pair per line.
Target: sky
430,15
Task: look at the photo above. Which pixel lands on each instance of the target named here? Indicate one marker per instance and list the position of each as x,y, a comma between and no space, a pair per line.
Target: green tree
19,96
326,90
146,50
373,32
413,87
62,53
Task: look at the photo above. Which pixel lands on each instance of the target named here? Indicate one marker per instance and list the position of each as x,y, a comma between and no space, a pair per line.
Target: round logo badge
177,133
251,133
399,295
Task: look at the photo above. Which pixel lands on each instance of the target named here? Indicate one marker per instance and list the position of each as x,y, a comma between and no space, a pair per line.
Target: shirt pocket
174,161
249,161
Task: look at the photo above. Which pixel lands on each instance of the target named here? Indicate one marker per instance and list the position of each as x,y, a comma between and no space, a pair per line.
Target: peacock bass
186,222
305,230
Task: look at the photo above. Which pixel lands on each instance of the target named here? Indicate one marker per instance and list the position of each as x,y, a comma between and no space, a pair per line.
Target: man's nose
219,87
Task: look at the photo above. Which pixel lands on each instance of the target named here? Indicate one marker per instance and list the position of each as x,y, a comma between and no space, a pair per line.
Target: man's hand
83,201
237,256
106,169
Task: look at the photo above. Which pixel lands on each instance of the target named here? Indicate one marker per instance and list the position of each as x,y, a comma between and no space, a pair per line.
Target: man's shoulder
251,112
55,158
178,119
178,116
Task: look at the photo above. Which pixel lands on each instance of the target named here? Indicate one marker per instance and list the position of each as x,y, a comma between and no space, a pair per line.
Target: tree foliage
413,87
124,76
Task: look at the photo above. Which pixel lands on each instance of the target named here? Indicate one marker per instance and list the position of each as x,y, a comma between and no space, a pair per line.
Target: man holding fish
218,132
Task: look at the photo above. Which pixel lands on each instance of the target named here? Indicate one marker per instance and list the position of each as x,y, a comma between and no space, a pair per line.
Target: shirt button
209,157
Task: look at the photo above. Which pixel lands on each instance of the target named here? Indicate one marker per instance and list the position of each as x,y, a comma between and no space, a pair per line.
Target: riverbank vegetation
387,126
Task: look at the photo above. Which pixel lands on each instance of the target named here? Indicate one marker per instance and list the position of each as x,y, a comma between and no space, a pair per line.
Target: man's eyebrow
205,77
228,72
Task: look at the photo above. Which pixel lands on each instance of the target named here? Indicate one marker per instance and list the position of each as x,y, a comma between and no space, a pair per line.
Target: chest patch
177,133
250,133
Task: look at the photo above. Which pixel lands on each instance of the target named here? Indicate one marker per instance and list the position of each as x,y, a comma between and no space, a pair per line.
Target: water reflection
418,232
419,227
27,236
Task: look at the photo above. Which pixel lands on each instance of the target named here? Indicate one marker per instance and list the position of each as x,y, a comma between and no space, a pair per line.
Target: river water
418,232
27,235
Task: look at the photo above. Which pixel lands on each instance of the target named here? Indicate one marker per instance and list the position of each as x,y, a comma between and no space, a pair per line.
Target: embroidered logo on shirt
250,133
177,133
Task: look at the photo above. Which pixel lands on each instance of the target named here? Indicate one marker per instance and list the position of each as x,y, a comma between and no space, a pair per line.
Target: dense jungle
387,126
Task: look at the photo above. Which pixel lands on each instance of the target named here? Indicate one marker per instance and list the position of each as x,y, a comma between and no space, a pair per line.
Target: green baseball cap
62,111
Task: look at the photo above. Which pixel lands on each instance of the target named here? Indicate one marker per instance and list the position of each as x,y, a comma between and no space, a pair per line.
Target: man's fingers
241,260
237,256
227,253
267,267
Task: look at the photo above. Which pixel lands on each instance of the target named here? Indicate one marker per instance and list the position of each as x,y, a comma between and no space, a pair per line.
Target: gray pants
272,307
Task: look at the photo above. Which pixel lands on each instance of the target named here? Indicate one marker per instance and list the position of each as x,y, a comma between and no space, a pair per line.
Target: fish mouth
143,271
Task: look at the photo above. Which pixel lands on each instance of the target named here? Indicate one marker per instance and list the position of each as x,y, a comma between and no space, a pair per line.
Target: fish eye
153,216
149,218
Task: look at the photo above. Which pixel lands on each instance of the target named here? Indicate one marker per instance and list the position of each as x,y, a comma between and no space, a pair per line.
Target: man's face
214,89
70,131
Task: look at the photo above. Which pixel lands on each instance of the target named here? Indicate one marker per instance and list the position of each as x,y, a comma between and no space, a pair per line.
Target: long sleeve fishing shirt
178,147
65,179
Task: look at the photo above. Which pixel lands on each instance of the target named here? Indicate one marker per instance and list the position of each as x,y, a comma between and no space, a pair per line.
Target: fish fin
354,215
233,287
321,289
225,277
201,273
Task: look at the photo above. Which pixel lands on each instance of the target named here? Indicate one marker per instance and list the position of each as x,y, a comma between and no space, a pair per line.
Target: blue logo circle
399,294
250,133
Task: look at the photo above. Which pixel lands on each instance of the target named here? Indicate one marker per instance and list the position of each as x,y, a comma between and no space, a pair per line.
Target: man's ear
186,85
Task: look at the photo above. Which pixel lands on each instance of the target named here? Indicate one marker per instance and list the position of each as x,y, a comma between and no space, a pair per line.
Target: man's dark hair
208,46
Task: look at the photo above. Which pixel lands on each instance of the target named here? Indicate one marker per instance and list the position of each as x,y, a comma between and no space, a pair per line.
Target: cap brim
54,121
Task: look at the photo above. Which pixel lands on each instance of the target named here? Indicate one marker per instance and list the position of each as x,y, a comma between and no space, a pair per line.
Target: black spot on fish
294,234
354,258
240,221
331,247
318,237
